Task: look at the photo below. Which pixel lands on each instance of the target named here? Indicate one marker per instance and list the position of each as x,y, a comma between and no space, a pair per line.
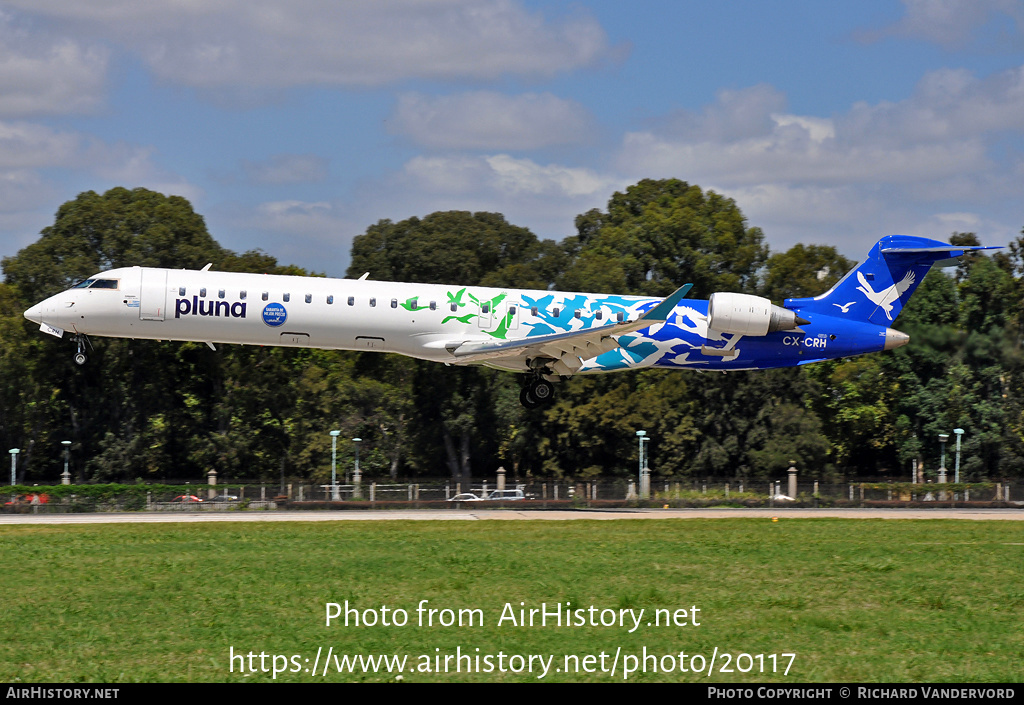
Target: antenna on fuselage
363,278
207,267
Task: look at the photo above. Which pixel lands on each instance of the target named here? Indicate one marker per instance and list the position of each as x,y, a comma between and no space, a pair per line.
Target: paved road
508,514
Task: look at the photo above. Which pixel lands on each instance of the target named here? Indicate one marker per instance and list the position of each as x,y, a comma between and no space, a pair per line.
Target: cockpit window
83,284
103,284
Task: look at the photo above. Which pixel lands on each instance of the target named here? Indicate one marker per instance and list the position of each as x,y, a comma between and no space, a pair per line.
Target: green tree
657,235
120,228
802,270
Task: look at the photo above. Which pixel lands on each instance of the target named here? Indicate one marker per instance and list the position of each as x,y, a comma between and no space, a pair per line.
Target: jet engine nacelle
748,315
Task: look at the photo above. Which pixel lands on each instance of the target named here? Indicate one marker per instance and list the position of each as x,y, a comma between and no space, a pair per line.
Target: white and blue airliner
548,335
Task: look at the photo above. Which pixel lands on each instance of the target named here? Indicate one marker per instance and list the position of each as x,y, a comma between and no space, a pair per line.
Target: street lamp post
357,477
65,478
14,464
645,489
334,465
959,432
640,436
943,437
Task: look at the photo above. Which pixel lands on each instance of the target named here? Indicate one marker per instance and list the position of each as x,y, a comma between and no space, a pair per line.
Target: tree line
155,411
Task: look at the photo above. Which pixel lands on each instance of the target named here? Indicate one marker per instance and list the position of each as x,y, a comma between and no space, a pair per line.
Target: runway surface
508,515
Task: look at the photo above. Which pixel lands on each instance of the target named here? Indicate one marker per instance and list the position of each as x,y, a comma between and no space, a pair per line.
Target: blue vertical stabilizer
879,287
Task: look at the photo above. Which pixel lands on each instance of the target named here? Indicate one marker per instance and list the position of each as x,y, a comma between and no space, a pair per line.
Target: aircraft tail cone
801,321
895,339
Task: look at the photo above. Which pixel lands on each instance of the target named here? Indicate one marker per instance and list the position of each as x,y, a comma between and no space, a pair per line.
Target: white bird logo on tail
887,297
845,308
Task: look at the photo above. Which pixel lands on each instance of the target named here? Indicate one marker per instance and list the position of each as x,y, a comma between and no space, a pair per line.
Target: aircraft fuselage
424,320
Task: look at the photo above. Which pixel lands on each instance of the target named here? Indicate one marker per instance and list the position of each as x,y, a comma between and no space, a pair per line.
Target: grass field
855,600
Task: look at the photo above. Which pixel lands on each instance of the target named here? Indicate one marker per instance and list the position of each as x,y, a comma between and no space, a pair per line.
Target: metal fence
535,494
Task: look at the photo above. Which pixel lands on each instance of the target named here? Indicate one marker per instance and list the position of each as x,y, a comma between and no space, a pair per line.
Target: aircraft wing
571,347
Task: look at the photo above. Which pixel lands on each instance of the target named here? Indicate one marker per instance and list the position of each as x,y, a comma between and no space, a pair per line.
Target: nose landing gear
82,340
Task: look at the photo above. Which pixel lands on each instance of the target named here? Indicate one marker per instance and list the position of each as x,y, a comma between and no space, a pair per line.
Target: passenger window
433,305
512,310
486,308
620,316
351,301
557,311
330,299
394,303
241,294
181,291
599,315
533,311
220,294
576,313
265,296
202,293
454,307
414,303
309,298
373,303
287,297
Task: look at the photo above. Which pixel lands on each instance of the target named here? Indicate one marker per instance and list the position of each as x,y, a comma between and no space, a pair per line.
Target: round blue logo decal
274,314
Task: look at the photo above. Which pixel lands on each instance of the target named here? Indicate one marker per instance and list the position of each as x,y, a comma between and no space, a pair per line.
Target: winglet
661,311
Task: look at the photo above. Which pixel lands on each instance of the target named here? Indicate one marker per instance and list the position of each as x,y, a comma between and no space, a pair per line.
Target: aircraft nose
35,313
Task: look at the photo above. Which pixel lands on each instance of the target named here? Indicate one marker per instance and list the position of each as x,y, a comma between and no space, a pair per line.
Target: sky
293,125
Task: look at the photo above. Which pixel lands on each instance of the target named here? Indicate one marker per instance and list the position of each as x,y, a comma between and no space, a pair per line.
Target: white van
506,495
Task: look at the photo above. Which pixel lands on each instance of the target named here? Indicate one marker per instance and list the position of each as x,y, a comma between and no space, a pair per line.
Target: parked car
225,498
465,497
33,498
506,495
186,498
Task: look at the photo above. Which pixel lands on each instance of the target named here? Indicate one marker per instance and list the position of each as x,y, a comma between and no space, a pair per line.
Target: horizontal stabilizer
952,249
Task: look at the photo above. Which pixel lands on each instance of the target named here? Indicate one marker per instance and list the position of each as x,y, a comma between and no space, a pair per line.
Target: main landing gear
537,392
82,341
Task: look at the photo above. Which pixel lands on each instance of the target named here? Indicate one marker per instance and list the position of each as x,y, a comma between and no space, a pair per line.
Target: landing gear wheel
527,399
536,393
81,341
543,391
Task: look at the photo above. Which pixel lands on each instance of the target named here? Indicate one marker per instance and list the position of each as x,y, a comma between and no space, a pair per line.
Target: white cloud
44,75
268,44
28,152
22,189
318,220
768,205
313,234
735,114
946,104
488,120
294,209
794,157
945,130
286,169
25,145
502,174
951,24
943,159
